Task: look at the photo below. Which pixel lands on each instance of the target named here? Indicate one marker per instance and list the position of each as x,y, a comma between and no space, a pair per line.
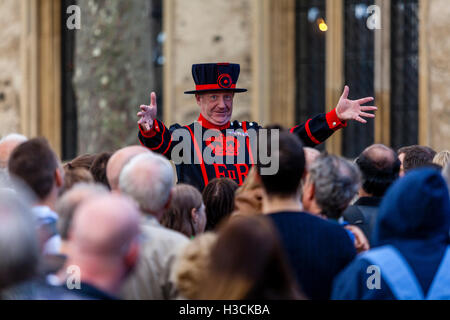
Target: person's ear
308,190
59,178
131,257
194,215
169,200
198,98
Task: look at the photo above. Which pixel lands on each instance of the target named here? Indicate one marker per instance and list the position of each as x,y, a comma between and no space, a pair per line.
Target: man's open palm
352,109
148,113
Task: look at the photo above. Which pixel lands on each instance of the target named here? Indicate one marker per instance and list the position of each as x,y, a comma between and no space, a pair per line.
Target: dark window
404,72
359,72
310,59
157,34
68,99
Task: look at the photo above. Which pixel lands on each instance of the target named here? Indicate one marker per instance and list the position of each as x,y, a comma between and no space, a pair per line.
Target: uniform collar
208,125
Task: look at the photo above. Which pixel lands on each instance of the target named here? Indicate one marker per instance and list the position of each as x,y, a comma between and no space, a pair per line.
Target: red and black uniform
199,173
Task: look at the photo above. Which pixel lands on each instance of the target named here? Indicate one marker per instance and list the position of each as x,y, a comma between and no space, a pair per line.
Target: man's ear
308,189
169,200
59,178
197,98
132,255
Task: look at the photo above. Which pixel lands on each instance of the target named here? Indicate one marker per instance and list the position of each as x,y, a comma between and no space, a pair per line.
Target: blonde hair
191,264
442,158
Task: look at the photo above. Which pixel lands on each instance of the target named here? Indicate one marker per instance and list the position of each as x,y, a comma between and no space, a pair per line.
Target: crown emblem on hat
225,81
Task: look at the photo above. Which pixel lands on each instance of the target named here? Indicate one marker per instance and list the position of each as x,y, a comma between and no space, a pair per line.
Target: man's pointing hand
148,113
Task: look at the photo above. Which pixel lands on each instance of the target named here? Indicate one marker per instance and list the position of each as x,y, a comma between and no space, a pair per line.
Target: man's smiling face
216,107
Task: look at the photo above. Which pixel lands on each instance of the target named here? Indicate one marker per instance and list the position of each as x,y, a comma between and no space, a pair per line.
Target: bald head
380,167
68,203
7,146
105,227
311,155
118,160
380,155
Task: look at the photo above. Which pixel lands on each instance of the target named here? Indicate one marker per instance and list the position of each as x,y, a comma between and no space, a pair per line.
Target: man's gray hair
148,179
336,182
69,202
13,137
5,149
19,250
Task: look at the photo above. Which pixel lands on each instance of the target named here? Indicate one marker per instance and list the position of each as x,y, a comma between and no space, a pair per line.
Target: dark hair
248,262
416,156
380,167
218,197
85,161
291,158
98,168
178,217
73,176
35,163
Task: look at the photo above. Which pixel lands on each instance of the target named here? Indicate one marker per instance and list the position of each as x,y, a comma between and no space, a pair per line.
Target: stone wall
438,42
10,72
209,31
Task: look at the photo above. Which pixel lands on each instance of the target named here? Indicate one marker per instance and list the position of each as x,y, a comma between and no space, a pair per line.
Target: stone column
434,75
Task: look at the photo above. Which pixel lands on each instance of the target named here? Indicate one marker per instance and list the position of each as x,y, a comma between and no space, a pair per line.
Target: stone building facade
257,34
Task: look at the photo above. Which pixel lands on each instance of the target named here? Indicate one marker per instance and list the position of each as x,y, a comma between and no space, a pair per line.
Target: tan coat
151,279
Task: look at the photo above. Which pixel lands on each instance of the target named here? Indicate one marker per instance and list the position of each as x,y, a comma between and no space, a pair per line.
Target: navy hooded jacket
414,217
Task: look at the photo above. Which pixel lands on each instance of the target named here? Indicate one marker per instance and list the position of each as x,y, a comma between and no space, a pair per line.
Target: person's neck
313,208
210,125
50,200
103,274
157,215
272,204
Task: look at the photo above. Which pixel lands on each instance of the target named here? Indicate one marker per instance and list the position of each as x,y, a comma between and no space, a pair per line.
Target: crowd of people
118,226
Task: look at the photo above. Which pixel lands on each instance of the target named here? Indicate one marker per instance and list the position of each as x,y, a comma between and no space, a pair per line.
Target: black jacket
363,213
234,143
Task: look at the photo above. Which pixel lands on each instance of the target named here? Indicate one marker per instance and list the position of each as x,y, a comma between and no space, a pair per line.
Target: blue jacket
414,218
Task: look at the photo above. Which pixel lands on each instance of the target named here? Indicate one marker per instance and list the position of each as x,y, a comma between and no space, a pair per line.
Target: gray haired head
7,145
336,182
148,178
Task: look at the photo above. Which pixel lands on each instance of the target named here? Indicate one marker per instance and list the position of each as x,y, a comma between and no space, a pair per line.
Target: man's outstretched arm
316,130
